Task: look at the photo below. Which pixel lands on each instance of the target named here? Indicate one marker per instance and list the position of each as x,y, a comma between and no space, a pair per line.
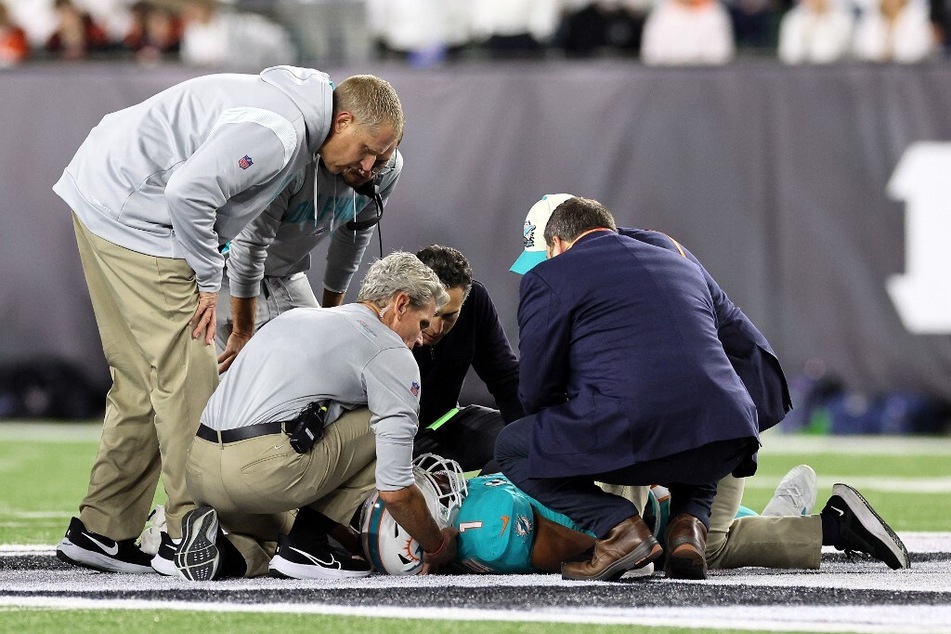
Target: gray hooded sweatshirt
183,172
317,204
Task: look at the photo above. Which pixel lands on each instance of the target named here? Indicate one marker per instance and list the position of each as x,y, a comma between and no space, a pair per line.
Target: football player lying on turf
502,530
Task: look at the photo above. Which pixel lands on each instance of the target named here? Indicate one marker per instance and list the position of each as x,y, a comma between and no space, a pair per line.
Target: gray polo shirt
344,355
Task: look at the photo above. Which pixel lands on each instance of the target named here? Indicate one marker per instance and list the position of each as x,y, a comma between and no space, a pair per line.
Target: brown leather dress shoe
686,543
628,546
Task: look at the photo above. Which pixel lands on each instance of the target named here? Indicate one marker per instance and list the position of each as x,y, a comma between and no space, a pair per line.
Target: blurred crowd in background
424,33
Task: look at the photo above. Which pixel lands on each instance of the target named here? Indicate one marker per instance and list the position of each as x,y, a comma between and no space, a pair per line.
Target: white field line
916,542
776,442
50,432
913,617
917,619
870,483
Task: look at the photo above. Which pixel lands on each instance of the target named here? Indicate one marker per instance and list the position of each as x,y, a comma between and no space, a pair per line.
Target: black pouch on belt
308,427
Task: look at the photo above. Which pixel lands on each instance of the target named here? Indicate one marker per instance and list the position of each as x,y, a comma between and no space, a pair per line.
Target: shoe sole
70,553
165,566
874,524
644,554
685,563
281,568
197,558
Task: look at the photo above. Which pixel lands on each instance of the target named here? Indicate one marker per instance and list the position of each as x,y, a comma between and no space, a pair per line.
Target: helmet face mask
447,486
387,546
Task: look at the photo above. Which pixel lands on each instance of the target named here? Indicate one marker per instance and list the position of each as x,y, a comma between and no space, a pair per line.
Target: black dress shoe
628,546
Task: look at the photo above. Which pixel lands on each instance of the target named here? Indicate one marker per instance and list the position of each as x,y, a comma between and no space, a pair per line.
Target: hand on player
236,342
445,554
203,321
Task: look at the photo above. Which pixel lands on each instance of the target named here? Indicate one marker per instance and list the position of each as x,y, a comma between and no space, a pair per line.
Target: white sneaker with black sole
862,530
316,559
82,547
164,560
796,493
197,557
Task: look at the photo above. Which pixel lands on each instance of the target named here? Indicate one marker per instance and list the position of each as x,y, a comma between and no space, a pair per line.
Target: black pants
691,477
468,437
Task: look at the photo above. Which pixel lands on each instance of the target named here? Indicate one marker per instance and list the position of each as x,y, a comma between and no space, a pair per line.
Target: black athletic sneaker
862,530
82,547
164,560
316,559
197,557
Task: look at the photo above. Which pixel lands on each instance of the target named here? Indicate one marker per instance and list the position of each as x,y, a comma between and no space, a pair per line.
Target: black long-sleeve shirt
476,340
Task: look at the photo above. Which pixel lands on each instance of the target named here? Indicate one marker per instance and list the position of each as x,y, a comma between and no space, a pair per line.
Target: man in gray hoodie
267,263
156,189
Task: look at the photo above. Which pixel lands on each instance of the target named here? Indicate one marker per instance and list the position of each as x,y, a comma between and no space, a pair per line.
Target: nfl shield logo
245,162
414,389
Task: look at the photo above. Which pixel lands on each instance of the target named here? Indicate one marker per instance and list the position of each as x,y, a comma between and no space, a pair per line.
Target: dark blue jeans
691,476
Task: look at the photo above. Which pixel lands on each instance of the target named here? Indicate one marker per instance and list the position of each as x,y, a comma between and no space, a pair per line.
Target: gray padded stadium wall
775,177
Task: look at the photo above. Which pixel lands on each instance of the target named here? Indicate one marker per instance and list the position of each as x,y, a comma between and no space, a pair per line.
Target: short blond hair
372,101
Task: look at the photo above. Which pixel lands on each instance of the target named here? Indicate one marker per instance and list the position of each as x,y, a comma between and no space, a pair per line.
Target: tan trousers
769,542
161,381
257,485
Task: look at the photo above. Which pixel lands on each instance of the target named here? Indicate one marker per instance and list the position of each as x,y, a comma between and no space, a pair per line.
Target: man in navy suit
625,381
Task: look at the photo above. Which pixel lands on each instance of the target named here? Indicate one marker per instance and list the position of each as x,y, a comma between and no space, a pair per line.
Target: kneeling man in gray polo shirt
319,408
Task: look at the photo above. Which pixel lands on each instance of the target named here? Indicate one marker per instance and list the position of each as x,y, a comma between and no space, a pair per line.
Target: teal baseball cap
533,233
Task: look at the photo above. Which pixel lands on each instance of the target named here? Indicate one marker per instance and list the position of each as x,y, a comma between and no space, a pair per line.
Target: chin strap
370,190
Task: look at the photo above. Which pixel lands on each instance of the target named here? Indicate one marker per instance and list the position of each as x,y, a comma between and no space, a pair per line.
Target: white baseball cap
533,234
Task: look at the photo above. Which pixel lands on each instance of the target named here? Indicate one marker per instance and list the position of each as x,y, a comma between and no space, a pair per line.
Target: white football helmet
387,546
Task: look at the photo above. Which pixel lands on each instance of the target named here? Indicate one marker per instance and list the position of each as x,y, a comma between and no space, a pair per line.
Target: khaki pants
283,294
770,542
161,381
257,485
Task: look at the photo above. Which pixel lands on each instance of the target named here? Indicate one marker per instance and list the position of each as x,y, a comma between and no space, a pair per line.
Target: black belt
241,433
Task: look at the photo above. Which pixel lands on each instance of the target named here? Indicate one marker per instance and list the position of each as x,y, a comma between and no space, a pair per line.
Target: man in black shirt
466,333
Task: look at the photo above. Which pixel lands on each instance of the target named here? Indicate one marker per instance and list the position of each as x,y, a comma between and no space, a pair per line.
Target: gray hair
402,272
372,101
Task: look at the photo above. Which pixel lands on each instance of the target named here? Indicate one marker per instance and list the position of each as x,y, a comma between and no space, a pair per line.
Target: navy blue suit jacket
621,360
747,348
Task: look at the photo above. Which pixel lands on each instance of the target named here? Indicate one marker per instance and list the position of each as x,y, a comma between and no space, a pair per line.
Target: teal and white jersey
496,525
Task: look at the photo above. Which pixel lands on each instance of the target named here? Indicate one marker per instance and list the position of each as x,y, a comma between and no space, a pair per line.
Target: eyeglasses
382,167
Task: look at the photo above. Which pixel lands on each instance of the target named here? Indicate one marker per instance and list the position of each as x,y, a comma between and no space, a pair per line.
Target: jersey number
464,526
